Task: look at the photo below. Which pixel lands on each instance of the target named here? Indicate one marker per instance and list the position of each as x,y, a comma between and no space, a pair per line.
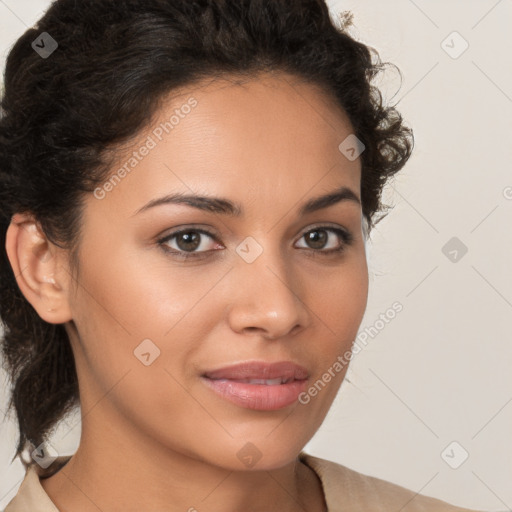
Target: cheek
338,297
338,305
138,330
129,295
126,296
338,301
137,291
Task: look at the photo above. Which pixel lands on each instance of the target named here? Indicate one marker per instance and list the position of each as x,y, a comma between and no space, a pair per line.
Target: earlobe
38,269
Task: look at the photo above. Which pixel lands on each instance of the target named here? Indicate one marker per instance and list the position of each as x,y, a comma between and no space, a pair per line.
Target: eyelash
346,236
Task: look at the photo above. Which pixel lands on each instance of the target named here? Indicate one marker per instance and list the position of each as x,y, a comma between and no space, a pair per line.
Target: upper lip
260,370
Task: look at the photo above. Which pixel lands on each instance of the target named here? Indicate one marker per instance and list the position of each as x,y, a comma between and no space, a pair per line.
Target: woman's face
263,285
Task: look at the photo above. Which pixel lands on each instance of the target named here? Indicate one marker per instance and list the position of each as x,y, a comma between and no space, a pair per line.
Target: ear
39,269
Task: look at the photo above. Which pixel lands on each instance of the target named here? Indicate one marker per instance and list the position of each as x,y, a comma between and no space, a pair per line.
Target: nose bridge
268,296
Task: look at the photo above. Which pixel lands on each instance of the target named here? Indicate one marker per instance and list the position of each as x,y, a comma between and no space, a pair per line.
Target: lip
225,382
259,370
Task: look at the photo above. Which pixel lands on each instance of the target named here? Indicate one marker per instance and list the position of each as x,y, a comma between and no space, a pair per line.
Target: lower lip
261,397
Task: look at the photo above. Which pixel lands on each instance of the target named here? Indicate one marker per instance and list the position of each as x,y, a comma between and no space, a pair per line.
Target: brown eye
318,238
186,242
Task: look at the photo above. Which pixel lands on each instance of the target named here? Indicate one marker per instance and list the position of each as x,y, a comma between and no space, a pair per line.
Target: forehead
267,101
267,138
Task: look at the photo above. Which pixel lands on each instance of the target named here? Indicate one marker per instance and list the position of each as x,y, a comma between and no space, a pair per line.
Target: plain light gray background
439,371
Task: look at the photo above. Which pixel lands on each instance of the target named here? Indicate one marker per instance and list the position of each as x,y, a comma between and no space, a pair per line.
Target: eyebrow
224,206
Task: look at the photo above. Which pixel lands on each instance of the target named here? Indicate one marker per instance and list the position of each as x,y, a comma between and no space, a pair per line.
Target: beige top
345,490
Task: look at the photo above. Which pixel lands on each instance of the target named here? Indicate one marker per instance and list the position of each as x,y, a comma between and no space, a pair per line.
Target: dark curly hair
63,117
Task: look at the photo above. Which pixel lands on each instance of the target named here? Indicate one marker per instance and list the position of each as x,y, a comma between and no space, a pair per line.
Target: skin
269,144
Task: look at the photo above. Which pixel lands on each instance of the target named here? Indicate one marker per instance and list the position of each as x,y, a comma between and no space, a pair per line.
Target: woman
187,188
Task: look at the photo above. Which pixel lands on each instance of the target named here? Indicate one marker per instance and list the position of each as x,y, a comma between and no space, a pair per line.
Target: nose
267,298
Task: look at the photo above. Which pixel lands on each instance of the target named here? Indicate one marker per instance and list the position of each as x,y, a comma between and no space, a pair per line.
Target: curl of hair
116,60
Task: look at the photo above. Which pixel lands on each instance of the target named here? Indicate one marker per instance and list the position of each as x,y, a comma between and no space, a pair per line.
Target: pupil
189,237
313,237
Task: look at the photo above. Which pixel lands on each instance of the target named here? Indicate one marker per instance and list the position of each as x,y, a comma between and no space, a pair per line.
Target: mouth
259,385
266,382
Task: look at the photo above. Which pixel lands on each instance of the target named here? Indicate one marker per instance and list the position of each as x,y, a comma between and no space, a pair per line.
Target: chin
256,455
